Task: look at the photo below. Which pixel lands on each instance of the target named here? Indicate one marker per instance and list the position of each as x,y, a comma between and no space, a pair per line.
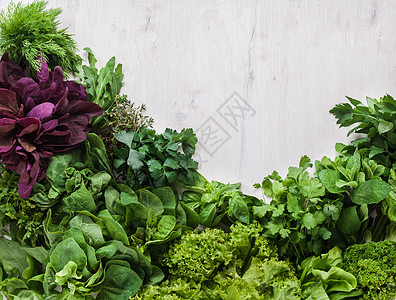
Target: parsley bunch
150,159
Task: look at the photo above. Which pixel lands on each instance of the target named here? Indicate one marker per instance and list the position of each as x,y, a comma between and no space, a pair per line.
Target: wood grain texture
290,60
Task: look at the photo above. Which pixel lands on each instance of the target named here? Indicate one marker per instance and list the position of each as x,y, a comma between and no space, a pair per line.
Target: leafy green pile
216,265
80,258
124,214
30,34
309,215
373,264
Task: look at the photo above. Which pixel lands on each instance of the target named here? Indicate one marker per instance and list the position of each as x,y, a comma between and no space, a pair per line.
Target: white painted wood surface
291,61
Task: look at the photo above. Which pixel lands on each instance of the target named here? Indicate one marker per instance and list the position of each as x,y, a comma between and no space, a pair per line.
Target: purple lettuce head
38,119
10,72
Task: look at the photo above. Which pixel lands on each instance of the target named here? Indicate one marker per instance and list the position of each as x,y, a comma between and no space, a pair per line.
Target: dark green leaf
349,222
239,208
119,283
151,201
12,258
65,251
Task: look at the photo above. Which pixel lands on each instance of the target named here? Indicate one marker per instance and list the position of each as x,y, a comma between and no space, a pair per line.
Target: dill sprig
29,33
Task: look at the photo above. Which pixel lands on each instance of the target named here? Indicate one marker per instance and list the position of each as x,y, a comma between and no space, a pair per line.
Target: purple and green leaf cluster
39,118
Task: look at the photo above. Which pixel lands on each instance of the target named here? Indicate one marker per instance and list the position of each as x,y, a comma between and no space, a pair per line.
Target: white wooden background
291,61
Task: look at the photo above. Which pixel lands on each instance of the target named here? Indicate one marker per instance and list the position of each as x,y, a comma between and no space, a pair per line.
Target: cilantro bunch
298,217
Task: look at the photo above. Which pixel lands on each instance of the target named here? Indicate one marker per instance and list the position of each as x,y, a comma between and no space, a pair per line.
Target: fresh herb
151,159
23,216
298,217
373,264
357,183
376,122
123,116
102,86
338,207
30,34
218,202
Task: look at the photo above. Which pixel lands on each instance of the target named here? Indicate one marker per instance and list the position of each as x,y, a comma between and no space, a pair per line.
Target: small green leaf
125,137
168,199
151,201
274,227
260,211
312,188
165,227
384,127
329,179
207,214
349,222
239,208
293,205
192,217
65,251
135,159
308,221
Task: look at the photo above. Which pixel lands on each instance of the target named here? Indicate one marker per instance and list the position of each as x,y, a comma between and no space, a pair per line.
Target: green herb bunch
219,204
376,122
23,216
103,87
299,217
150,159
124,116
30,32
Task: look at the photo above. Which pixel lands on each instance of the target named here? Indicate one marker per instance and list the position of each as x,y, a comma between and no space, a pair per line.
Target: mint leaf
329,179
370,192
